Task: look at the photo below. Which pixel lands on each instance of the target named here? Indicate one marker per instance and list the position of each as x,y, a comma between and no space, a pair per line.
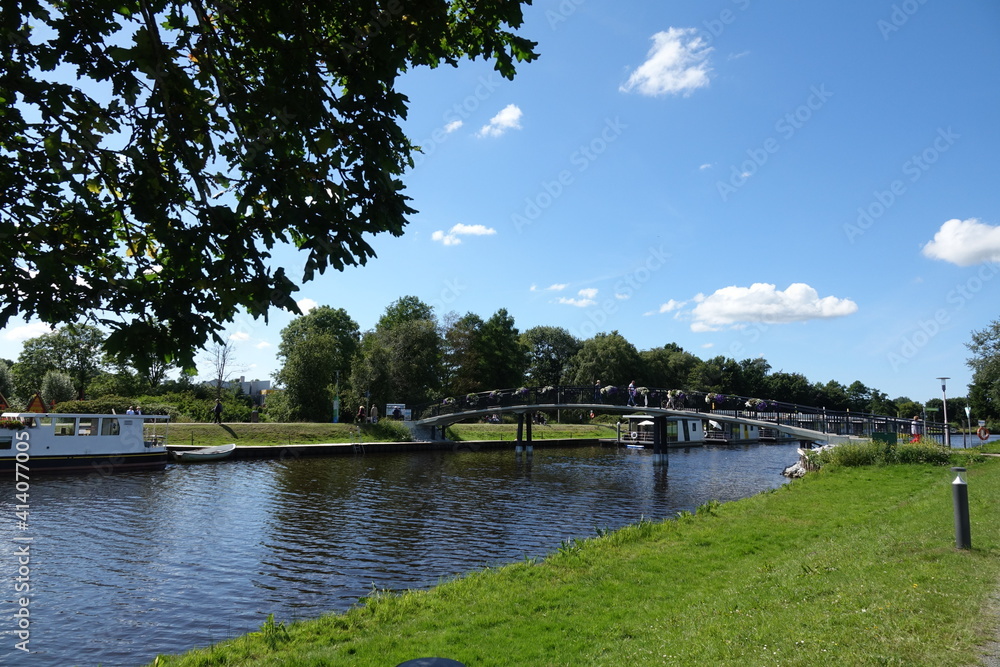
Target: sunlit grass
846,566
280,434
550,431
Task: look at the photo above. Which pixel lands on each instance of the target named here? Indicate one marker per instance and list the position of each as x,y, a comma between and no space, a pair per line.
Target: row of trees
412,357
71,363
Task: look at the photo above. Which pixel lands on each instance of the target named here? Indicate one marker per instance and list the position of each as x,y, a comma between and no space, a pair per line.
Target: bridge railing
838,422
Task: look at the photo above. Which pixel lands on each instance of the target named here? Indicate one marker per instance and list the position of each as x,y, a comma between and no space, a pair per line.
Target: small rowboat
204,454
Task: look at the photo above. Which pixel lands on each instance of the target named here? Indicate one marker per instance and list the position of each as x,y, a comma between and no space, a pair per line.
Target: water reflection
129,566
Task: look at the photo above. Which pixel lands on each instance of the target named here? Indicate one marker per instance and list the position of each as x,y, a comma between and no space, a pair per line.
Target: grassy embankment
846,566
209,435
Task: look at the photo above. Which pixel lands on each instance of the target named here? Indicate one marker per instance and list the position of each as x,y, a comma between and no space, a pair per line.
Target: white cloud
731,307
240,335
579,303
31,330
557,287
677,64
965,242
452,126
451,237
586,299
305,305
623,296
509,118
473,230
705,166
263,345
671,306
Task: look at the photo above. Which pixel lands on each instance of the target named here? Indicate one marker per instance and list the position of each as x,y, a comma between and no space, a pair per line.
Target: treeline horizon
413,357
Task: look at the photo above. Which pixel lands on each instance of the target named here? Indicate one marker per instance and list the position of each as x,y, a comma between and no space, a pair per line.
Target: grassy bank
210,435
280,434
549,431
846,566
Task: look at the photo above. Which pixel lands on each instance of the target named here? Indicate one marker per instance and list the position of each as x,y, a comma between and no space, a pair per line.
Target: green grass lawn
209,435
550,431
296,433
848,566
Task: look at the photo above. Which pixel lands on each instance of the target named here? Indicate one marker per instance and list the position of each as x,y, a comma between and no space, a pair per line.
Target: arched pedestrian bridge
805,423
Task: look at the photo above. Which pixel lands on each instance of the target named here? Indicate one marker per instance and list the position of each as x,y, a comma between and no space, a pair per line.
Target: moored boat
40,443
204,454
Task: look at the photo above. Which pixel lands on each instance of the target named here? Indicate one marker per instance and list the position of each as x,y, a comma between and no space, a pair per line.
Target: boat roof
692,417
26,415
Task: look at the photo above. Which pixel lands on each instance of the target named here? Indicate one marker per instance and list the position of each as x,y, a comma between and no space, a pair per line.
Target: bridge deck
796,431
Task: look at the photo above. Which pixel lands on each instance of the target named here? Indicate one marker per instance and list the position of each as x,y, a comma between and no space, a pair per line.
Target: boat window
88,426
44,421
65,425
109,426
5,441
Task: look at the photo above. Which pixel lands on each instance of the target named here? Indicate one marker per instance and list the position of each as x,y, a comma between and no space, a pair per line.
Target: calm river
128,566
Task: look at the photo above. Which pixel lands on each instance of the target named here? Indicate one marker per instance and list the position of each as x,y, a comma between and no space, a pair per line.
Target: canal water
128,566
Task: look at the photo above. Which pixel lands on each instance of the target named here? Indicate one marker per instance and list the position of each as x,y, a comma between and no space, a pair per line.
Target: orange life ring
983,433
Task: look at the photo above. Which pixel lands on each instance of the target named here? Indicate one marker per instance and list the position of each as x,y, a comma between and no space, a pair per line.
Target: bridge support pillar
528,447
520,432
660,441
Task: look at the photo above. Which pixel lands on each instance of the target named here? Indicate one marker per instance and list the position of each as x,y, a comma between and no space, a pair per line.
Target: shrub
871,453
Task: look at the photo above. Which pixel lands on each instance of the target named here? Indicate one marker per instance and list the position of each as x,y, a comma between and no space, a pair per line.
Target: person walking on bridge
631,394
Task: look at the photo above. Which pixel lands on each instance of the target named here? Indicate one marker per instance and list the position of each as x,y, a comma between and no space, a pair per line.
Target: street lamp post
944,398
968,421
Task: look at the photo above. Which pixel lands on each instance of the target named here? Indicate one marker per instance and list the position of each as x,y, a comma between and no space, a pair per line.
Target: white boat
204,454
679,431
39,443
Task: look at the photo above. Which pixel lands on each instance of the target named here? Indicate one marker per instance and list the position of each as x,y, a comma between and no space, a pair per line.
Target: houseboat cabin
38,443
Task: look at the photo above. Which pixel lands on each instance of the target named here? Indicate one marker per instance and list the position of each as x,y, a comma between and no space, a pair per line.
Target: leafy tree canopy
549,352
984,392
155,153
607,357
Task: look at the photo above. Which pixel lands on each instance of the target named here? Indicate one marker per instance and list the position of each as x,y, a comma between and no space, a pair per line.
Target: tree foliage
6,380
316,350
57,387
504,356
400,361
984,392
157,153
607,357
74,349
550,350
463,359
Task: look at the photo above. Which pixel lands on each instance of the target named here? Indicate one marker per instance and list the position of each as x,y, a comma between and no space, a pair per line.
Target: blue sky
813,183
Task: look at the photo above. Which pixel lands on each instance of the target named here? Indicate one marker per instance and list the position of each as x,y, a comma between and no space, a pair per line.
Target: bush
871,453
107,405
388,430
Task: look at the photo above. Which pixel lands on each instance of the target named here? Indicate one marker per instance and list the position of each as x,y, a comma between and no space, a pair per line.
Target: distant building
255,389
